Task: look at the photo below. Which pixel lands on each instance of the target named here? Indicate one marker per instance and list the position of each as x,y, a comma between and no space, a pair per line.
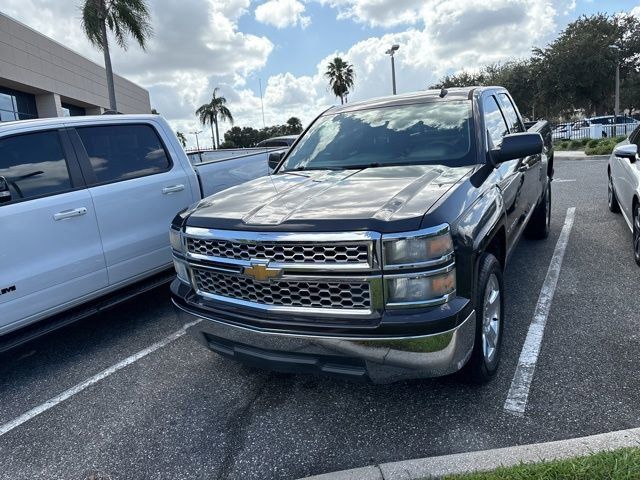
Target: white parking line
34,412
519,392
563,180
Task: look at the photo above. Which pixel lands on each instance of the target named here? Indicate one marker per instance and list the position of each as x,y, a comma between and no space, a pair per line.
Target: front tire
540,222
485,358
636,233
612,200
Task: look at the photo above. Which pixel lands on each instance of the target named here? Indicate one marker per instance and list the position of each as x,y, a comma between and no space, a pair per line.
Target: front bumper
379,359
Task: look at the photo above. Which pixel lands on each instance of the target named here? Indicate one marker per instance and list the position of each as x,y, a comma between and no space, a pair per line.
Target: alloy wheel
492,319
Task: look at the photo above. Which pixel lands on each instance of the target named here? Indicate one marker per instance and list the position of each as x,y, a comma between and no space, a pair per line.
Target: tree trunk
213,138
107,66
342,99
217,135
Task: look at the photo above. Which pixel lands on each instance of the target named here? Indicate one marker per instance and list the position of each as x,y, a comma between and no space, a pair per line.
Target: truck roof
453,93
79,120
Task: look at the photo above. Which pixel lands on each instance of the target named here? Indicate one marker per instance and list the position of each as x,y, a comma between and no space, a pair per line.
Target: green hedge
591,146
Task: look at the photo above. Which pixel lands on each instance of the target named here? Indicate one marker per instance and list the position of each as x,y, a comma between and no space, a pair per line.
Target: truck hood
382,199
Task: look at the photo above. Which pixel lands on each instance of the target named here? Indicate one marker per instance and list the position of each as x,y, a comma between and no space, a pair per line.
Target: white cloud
199,45
282,13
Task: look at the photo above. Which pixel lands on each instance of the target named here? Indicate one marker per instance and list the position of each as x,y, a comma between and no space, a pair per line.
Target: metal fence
595,127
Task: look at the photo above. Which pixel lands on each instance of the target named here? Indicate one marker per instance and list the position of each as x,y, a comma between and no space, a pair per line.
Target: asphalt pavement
183,412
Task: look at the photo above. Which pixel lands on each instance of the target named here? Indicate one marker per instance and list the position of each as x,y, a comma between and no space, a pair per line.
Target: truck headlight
176,240
417,248
419,288
181,270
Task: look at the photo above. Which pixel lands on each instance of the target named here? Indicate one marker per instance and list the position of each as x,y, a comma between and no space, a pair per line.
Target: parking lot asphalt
183,412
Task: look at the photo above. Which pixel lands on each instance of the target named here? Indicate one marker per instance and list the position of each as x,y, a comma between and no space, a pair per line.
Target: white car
624,186
85,203
595,127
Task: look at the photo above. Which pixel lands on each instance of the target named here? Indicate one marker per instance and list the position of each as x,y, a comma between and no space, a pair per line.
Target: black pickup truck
377,247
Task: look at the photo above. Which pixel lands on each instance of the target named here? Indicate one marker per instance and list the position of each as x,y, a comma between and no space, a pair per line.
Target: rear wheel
614,206
540,222
636,232
485,358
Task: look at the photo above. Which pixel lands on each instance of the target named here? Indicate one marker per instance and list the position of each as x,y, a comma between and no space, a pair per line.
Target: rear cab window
123,152
32,165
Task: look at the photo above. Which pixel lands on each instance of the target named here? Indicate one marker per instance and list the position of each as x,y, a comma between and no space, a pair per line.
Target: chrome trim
427,264
425,232
428,273
423,303
386,359
370,239
316,267
284,237
376,294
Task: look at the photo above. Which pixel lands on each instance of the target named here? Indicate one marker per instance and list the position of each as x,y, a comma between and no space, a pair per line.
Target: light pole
394,48
616,108
197,142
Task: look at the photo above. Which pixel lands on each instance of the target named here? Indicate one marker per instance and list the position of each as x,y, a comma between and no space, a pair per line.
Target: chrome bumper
382,360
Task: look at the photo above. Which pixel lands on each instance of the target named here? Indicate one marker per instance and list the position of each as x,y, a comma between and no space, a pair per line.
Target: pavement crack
237,428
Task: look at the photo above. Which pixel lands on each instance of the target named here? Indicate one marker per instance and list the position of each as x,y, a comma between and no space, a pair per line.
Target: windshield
437,133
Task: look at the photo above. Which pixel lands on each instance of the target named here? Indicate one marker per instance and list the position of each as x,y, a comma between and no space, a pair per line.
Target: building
39,78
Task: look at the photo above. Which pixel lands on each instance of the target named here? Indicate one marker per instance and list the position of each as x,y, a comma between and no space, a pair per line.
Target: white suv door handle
175,188
76,212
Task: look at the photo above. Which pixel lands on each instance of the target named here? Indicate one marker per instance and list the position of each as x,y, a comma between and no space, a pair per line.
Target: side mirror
274,159
517,145
628,151
5,193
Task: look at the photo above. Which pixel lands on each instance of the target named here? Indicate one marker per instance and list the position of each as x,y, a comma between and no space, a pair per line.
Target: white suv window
32,165
121,152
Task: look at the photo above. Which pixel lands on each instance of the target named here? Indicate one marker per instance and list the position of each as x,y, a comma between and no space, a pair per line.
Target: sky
285,45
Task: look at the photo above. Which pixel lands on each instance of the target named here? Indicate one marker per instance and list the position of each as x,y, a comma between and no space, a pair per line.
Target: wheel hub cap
491,321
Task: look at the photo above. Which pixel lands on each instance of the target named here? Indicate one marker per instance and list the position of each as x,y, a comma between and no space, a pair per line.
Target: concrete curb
435,467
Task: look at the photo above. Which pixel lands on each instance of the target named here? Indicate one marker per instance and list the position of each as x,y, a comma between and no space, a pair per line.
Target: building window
16,105
69,110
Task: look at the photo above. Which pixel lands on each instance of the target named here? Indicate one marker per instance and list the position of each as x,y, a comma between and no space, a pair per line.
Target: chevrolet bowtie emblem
261,272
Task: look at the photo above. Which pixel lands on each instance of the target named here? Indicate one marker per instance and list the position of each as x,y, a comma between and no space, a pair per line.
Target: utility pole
394,48
197,142
616,108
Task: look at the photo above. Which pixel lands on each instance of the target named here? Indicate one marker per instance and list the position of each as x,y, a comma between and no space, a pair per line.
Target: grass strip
622,464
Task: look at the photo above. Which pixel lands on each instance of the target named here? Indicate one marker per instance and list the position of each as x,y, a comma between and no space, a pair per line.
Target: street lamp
394,48
616,108
196,134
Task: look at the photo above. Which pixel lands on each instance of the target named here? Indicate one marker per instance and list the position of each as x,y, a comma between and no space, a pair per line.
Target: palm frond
91,22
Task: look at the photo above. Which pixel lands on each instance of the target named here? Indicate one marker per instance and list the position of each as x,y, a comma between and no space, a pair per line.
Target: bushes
602,147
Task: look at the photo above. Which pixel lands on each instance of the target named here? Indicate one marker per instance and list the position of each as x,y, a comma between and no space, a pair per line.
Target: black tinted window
494,122
122,152
510,113
32,165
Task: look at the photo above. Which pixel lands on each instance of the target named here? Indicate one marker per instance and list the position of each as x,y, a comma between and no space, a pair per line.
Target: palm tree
212,112
341,76
182,139
122,18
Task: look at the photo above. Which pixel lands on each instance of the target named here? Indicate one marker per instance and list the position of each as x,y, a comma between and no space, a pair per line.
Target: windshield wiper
360,166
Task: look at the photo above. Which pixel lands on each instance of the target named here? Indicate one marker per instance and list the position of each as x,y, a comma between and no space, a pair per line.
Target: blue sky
202,44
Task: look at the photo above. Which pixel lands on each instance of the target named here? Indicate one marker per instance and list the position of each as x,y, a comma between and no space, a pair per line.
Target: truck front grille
283,293
357,253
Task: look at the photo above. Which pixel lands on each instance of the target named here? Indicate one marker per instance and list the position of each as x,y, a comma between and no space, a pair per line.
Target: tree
123,18
341,77
182,139
213,112
294,126
579,66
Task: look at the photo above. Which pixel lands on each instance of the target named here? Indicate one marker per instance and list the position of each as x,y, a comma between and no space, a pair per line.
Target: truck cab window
494,122
32,165
510,114
122,152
